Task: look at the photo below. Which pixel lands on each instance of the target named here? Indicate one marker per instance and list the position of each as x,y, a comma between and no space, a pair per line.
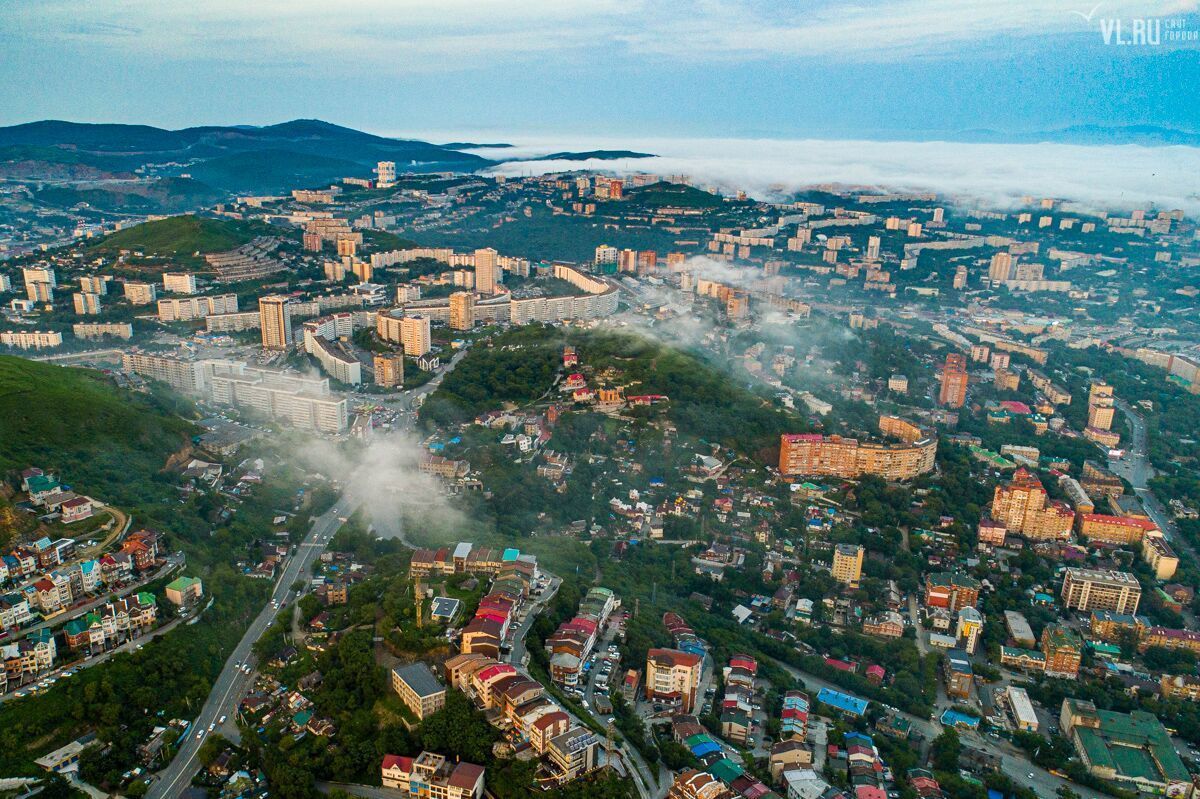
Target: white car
212,726
222,719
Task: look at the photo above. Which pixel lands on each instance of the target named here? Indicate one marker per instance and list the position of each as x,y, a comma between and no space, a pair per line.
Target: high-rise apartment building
276,316
39,291
953,390
1101,405
487,280
86,304
847,564
1023,506
873,248
94,284
389,369
462,310
1000,269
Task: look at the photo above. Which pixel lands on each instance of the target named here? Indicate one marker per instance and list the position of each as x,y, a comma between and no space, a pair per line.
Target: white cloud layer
417,35
1119,176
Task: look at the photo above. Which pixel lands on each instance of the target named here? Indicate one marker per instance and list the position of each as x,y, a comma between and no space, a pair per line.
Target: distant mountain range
1146,135
269,159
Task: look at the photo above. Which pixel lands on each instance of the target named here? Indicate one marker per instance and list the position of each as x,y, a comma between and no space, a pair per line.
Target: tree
946,750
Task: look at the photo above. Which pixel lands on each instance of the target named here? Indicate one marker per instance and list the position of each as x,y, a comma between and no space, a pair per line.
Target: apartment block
139,293
847,564
1090,589
1023,506
418,689
672,677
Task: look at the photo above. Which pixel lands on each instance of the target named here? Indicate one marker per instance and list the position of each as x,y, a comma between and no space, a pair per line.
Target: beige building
847,564
139,293
487,278
1159,556
673,677
30,339
1000,268
86,304
276,317
389,369
462,310
180,282
1101,406
1023,506
1091,589
411,332
432,776
418,689
94,284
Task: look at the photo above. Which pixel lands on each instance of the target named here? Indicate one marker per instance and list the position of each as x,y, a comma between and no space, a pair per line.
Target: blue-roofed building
952,718
510,554
845,703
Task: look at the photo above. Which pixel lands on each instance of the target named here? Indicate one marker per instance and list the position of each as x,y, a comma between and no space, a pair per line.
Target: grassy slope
75,422
181,235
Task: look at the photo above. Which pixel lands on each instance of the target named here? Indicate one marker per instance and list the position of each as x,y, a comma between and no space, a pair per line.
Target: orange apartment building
953,390
1023,506
813,454
1120,530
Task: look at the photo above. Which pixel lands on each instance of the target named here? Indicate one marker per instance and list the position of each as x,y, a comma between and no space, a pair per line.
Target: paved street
227,689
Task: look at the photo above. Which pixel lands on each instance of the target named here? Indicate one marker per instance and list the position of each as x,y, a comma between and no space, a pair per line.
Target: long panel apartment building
303,402
814,454
185,309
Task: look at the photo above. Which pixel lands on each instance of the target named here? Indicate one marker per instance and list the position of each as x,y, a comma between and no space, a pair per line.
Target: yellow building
847,564
462,310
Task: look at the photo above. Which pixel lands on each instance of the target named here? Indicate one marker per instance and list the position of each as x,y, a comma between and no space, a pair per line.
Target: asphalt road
227,690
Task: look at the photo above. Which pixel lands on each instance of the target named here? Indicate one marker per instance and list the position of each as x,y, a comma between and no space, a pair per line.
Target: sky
773,69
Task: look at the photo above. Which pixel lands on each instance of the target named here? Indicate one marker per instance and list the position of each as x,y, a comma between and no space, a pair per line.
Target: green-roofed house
183,591
726,770
1133,750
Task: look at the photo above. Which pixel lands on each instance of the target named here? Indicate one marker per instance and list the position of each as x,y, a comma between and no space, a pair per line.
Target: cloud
384,477
1124,176
401,36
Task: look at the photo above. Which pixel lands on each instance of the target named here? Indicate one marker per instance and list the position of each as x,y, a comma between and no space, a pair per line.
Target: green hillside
99,439
182,235
167,195
273,171
674,194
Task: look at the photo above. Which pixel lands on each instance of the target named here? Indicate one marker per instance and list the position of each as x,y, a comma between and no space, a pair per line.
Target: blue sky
784,68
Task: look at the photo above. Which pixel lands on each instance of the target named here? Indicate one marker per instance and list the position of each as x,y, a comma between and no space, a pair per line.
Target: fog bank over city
385,479
1110,176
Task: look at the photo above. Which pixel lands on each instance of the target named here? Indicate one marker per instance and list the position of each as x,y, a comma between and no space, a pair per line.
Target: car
222,719
1031,775
212,726
199,734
